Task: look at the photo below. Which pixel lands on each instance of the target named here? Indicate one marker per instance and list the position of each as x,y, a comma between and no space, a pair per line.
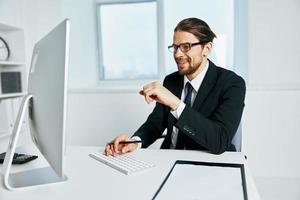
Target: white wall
271,132
95,118
274,29
272,115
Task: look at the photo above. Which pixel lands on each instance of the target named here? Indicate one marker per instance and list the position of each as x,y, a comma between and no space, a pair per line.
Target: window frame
129,84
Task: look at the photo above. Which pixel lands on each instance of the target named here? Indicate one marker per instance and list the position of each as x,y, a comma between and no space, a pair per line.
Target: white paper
193,182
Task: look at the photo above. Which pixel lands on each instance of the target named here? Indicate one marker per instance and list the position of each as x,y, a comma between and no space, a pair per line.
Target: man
200,105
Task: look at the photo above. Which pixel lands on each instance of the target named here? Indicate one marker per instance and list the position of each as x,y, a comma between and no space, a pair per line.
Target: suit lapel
176,90
206,86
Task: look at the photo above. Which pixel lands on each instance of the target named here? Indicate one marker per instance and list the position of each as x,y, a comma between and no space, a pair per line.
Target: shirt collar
196,82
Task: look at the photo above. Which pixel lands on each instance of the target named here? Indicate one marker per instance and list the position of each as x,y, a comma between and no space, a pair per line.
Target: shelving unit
9,101
16,62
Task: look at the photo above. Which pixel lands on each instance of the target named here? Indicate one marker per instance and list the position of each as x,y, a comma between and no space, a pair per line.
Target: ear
207,49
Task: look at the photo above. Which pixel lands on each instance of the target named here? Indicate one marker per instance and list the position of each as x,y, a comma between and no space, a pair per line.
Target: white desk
90,179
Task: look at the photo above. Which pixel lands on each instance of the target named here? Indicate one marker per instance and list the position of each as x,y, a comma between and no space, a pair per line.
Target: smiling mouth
181,63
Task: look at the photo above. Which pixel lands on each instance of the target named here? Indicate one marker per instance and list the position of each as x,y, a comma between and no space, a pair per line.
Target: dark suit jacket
210,123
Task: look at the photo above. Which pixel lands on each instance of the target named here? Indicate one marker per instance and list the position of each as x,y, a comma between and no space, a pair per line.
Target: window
127,36
133,37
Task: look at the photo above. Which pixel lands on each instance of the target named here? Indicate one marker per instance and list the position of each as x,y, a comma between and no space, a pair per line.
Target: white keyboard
125,163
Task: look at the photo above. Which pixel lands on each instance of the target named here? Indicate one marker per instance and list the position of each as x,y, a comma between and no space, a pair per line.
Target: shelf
11,95
5,27
4,135
11,63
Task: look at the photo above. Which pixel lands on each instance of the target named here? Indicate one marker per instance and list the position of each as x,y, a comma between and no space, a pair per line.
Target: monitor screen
47,83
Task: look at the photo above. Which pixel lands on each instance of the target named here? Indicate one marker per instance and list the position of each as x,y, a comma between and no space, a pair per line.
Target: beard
190,69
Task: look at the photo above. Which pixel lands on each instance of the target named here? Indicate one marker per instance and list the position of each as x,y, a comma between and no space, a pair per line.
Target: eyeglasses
184,47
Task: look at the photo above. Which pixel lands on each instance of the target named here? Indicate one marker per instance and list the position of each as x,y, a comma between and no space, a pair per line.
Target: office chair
237,139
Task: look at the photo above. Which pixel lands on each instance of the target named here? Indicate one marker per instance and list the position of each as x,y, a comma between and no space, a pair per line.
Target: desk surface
90,179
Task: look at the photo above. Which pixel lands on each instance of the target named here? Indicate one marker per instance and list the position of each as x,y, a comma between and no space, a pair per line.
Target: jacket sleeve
216,131
154,126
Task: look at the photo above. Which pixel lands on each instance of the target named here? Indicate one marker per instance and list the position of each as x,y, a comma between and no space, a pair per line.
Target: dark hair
197,27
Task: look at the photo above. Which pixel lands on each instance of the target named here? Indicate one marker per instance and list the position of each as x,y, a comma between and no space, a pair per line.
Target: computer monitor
46,103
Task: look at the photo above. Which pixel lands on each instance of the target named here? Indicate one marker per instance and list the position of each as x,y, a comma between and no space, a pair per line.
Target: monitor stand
28,178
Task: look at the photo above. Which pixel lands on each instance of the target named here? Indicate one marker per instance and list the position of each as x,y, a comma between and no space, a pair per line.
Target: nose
178,53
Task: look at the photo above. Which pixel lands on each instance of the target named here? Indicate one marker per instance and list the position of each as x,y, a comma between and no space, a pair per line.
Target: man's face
188,63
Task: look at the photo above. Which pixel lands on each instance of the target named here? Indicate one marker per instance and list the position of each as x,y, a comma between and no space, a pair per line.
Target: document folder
203,180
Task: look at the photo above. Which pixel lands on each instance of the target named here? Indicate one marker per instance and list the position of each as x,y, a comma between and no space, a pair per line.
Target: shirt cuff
137,138
176,113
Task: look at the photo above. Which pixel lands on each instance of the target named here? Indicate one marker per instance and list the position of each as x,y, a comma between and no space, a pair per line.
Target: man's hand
156,92
113,148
